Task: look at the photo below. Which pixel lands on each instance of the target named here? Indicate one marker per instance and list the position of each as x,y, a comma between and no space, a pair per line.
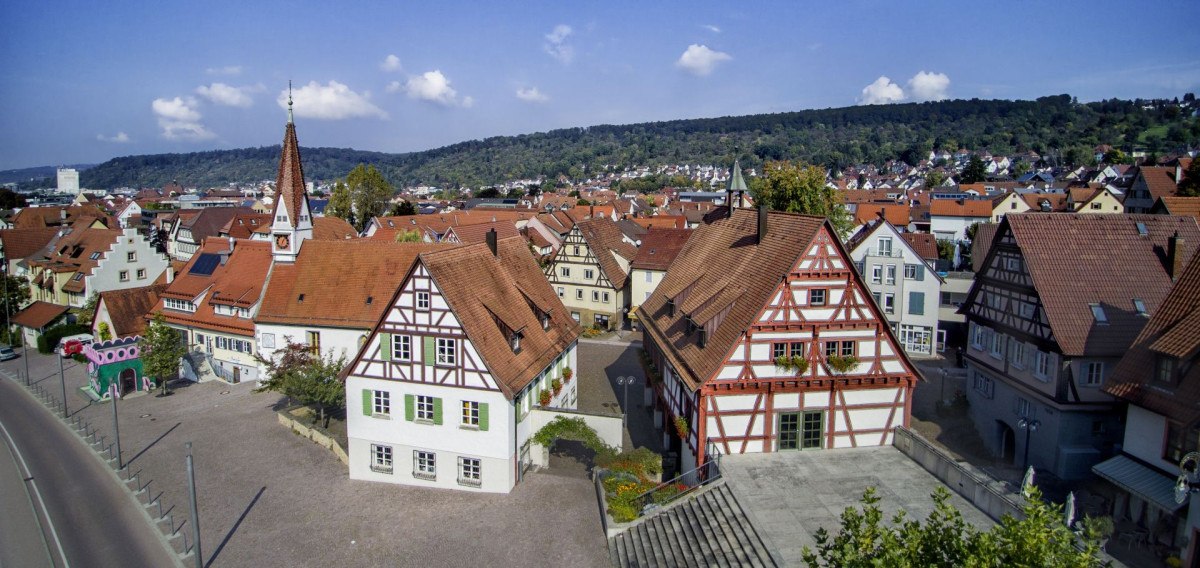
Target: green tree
974,172
405,207
1189,186
934,178
369,192
85,314
1020,168
105,331
1116,156
14,295
162,348
306,377
10,199
340,204
944,539
408,236
800,188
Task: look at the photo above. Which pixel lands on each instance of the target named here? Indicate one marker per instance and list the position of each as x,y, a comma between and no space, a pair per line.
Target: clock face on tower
282,241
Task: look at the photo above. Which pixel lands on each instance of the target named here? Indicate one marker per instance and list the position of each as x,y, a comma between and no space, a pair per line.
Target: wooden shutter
437,411
385,346
430,350
483,416
916,303
410,404
368,402
920,277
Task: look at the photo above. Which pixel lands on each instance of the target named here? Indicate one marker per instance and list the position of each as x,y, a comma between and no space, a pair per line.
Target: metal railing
683,485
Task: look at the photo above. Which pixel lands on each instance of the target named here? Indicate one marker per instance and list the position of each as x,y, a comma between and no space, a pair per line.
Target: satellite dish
1181,489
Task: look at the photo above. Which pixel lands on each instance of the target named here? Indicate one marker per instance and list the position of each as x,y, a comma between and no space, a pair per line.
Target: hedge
47,341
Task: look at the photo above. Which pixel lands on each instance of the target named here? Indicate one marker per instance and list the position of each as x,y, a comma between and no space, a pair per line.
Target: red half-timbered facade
766,340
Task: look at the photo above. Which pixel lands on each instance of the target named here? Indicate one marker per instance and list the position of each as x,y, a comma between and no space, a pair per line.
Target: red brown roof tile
38,315
606,240
128,308
659,248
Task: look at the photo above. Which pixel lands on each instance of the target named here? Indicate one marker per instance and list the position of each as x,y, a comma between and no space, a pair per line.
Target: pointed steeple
292,222
737,185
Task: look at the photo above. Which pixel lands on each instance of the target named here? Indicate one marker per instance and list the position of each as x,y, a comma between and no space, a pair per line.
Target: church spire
737,184
292,223
289,101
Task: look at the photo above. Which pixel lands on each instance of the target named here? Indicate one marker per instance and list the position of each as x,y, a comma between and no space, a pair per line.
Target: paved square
789,495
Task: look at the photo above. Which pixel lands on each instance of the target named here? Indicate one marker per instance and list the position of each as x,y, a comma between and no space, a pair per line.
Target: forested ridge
831,137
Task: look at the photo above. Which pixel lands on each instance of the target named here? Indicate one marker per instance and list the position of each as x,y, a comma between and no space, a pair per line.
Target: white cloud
699,60
334,101
556,44
532,95
119,138
434,87
222,94
712,28
927,86
179,119
882,91
394,87
227,70
390,63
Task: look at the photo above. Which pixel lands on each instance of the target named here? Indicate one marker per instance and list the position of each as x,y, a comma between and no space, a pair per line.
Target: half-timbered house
765,339
590,273
451,371
1059,299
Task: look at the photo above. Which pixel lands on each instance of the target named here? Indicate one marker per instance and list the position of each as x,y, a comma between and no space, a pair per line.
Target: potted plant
681,427
783,362
1097,528
556,385
544,398
842,364
567,374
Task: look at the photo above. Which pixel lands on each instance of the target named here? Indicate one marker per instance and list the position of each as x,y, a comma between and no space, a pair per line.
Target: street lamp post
625,382
116,425
1029,426
62,377
191,478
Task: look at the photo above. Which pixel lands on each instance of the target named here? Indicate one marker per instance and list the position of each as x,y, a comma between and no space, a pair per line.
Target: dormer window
690,325
1098,314
671,308
1164,369
515,342
1140,306
545,320
703,339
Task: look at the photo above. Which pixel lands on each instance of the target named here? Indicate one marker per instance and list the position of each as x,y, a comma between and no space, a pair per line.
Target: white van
72,344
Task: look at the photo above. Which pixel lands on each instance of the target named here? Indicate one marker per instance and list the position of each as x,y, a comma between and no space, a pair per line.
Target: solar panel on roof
206,264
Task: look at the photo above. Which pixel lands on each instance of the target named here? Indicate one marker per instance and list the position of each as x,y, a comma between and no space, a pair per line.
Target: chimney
1175,256
592,210
762,222
491,240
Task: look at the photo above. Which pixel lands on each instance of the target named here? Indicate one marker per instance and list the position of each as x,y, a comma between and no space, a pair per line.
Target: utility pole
63,378
191,475
116,426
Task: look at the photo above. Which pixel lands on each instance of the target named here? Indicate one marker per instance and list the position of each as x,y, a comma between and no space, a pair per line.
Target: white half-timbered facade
440,393
590,273
746,331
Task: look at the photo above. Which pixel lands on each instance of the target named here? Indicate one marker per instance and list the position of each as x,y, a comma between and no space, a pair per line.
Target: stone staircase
707,529
199,366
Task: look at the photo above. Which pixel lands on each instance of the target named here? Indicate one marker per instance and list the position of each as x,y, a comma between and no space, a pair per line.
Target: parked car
73,344
7,353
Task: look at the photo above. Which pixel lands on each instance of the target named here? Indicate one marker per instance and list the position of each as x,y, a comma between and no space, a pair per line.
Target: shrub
622,512
681,427
47,341
841,364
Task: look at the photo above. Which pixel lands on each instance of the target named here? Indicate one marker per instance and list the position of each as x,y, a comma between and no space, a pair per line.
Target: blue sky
87,81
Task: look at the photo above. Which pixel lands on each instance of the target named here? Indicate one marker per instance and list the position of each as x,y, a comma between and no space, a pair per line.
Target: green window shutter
368,402
385,346
920,273
430,350
483,416
410,404
437,411
916,303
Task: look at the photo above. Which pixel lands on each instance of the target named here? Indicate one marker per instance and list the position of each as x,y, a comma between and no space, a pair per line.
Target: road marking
37,493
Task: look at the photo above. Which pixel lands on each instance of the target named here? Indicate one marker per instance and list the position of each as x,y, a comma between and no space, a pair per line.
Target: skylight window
1140,306
95,256
1142,230
1098,313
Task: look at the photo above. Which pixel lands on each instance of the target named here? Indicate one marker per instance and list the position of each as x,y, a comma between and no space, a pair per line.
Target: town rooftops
128,308
960,208
1159,180
659,248
338,283
24,243
606,241
38,315
924,244
984,234
492,294
1172,335
230,273
725,266
1083,262
896,213
1189,206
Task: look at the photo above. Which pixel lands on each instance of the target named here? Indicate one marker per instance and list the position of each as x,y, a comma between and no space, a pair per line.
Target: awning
1140,480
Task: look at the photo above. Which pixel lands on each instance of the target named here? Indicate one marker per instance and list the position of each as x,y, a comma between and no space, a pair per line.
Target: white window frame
1016,354
402,347
588,274
579,293
131,256
381,403
910,272
604,297
564,271
447,351
123,276
424,465
824,296
996,345
561,292
1041,365
381,458
877,274
423,298
595,295
983,385
141,274
423,408
889,303
977,336
884,250
470,471
890,275
1093,373
470,414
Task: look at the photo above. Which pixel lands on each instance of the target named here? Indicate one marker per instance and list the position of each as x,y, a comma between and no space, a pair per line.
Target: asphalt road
88,512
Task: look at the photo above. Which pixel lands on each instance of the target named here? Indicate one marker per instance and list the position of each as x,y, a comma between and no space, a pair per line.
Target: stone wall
988,494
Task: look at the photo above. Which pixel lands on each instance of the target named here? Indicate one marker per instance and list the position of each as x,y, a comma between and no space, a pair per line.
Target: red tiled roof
473,234
924,244
1173,331
606,240
1189,206
128,308
1077,260
961,207
289,183
244,224
985,233
659,248
896,213
1056,201
332,229
38,315
40,217
236,281
338,283
662,221
483,288
1159,180
24,243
